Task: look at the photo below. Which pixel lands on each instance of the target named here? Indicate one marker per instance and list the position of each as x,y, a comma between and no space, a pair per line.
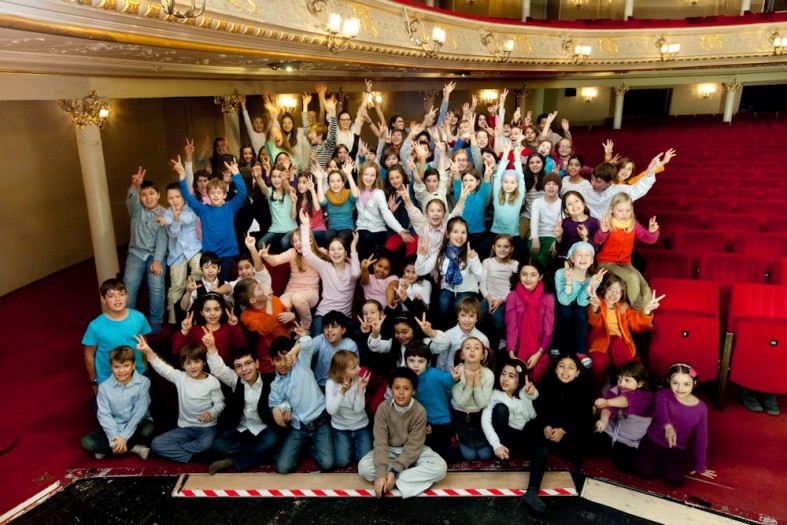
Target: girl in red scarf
530,319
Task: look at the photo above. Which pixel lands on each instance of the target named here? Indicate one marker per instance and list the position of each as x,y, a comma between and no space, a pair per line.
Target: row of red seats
687,328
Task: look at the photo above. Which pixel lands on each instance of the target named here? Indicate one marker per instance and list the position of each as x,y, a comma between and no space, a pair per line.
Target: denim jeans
318,434
247,450
347,441
493,325
136,270
183,442
571,328
280,241
447,307
98,442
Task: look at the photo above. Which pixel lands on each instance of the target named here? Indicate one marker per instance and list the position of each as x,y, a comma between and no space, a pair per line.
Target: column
229,109
620,92
88,114
628,9
745,6
525,10
729,99
536,102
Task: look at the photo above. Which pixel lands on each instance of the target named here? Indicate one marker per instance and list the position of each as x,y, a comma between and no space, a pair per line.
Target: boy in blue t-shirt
218,217
434,393
334,326
117,326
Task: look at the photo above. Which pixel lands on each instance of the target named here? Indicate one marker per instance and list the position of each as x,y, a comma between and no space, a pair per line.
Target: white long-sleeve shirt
437,345
348,410
195,396
472,273
520,411
374,215
544,216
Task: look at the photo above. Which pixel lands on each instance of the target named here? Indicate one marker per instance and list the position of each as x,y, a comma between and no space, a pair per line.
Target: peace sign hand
653,226
654,303
365,327
208,339
187,323
426,326
232,319
139,176
559,228
605,224
142,345
368,262
568,272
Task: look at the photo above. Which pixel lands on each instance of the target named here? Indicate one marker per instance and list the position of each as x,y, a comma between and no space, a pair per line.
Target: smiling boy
334,326
400,457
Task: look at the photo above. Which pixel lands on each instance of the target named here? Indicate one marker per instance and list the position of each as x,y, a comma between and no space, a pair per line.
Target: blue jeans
247,450
98,442
183,442
493,325
319,434
344,441
571,328
136,270
448,301
280,240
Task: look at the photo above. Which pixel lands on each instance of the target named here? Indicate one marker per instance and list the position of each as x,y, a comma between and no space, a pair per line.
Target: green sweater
392,429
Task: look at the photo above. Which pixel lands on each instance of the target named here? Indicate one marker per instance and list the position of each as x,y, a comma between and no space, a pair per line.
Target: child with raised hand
338,201
345,392
530,319
564,409
470,395
678,416
575,224
375,285
303,287
282,201
468,311
310,202
250,266
544,216
296,401
331,341
611,321
338,275
498,270
616,235
183,254
411,293
504,420
626,411
395,184
458,265
147,247
212,312
407,329
434,393
210,281
200,402
575,285
431,225
508,193
475,202
123,401
217,218
373,212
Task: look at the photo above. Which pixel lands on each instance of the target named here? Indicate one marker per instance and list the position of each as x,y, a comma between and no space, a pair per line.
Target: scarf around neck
337,200
453,276
620,225
529,329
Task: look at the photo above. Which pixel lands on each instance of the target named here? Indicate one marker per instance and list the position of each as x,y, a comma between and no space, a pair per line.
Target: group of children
480,349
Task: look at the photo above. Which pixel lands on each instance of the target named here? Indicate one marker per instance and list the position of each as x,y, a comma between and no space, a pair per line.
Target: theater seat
689,337
727,269
687,296
666,263
697,242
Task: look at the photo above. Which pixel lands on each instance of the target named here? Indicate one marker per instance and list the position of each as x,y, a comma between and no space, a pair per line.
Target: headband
692,372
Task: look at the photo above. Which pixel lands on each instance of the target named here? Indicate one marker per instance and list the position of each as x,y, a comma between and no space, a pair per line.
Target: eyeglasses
244,364
422,143
615,291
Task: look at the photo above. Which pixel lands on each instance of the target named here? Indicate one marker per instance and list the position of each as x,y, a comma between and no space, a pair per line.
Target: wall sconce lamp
90,110
779,43
414,31
229,103
501,53
580,3
490,96
668,51
287,102
581,53
370,99
340,32
706,90
589,94
192,12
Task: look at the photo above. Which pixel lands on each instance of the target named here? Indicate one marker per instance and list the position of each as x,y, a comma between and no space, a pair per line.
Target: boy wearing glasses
116,327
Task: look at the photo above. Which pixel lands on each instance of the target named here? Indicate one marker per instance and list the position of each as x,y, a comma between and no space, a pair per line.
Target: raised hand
530,388
192,284
608,145
502,98
250,241
471,253
354,243
187,323
653,226
559,229
232,166
298,328
349,166
306,98
564,124
426,326
583,232
668,156
528,118
232,319
366,263
393,204
568,272
423,246
595,302
604,224
448,89
139,176
304,217
654,302
264,250
207,338
142,345
376,324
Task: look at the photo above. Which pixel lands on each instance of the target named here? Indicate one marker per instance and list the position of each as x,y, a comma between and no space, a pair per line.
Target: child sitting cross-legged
123,402
400,458
297,402
345,393
200,402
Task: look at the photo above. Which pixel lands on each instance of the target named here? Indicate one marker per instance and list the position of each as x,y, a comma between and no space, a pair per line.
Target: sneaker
533,501
220,465
141,451
554,353
99,455
585,360
770,404
749,400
